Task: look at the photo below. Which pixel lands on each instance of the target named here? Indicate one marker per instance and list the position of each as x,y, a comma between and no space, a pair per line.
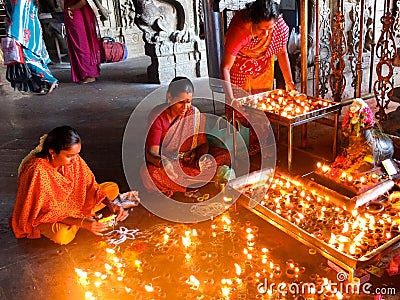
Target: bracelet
290,82
69,8
164,162
83,219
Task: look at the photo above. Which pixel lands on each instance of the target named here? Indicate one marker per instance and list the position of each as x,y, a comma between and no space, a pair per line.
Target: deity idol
365,143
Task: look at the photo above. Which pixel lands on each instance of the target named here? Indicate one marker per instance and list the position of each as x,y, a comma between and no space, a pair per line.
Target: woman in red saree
255,35
57,192
84,41
176,143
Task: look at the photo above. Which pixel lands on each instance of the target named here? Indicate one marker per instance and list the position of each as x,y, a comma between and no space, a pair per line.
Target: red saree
253,69
175,139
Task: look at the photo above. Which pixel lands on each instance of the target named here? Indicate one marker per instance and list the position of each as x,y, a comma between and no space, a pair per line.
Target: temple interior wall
172,34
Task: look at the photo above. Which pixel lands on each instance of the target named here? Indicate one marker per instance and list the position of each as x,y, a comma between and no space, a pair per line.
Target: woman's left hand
205,162
189,157
290,86
70,13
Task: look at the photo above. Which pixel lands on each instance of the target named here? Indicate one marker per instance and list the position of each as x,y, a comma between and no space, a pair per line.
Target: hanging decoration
385,51
337,80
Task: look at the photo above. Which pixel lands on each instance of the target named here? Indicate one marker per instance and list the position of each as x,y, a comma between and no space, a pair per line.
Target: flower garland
38,148
358,117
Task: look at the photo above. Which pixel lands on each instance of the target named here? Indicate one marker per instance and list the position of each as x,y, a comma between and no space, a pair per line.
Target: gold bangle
83,219
290,82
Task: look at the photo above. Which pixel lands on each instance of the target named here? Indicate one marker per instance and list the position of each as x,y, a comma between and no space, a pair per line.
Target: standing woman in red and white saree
255,35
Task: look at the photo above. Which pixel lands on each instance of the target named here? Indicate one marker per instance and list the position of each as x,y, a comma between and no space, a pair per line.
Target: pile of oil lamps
225,258
355,181
286,104
354,233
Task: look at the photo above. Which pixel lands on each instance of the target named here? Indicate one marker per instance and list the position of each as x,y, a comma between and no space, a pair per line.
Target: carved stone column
171,35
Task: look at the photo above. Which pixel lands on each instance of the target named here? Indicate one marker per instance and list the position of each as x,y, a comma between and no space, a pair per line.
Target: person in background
24,26
176,143
84,41
57,192
255,36
1,62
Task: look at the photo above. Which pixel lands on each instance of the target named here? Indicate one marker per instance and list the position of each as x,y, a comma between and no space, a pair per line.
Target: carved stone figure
131,15
170,32
162,21
352,37
152,20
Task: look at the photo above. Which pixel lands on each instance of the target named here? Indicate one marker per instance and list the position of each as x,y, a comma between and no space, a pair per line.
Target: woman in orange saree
176,143
57,191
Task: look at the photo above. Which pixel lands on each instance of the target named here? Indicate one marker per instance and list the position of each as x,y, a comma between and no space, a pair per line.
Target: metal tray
297,119
343,260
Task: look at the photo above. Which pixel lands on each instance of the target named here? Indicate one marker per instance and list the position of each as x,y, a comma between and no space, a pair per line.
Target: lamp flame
238,269
149,288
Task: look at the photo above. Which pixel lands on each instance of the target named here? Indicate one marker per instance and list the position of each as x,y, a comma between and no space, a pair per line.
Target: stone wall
170,33
167,31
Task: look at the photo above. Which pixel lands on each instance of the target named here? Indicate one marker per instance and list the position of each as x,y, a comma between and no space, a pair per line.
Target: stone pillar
171,37
169,59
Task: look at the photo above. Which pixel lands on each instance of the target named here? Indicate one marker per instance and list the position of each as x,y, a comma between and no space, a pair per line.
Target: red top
159,124
238,36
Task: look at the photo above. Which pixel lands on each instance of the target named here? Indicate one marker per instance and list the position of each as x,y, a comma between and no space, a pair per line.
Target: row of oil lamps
285,104
354,233
350,179
246,269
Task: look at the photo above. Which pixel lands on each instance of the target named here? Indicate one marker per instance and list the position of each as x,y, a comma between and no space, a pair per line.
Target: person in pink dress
84,41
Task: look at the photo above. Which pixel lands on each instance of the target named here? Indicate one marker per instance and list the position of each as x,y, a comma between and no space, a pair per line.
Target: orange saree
47,196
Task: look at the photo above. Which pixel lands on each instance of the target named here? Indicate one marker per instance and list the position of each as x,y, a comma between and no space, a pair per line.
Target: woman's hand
117,210
95,227
120,212
70,13
169,168
290,86
189,157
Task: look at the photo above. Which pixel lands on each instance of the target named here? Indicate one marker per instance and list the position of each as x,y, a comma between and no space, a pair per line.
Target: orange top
47,196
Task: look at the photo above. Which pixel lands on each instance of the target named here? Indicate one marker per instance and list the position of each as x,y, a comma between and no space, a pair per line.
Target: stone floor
110,115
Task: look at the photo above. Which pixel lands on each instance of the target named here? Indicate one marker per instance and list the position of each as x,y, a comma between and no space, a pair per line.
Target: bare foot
88,80
53,86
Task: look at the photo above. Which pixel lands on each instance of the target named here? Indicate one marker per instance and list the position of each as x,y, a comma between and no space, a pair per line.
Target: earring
52,156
